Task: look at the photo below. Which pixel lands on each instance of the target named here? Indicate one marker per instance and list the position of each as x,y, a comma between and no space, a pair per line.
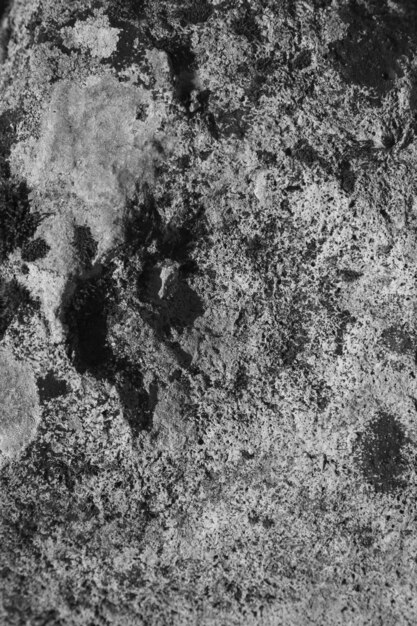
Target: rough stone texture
208,245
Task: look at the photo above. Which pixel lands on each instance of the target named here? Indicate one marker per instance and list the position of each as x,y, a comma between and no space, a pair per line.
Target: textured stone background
208,229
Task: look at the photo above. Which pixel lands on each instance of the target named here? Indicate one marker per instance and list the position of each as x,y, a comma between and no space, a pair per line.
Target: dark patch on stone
17,223
307,155
376,39
135,9
195,12
349,276
4,4
380,453
183,307
50,387
35,250
173,242
143,224
126,53
245,25
385,215
8,119
302,60
266,157
344,319
53,468
323,393
138,404
212,127
184,359
261,73
247,456
5,30
347,178
85,316
241,379
364,536
183,66
178,310
85,246
397,340
232,123
176,242
13,299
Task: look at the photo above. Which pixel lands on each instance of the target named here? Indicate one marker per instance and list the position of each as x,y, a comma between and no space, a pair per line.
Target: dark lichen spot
245,25
127,51
127,9
4,4
50,387
347,178
34,250
307,155
376,39
380,453
85,246
397,340
17,223
241,379
8,120
195,12
349,276
266,157
232,123
13,298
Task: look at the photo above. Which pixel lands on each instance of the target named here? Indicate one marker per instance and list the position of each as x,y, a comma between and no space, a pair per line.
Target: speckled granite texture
208,313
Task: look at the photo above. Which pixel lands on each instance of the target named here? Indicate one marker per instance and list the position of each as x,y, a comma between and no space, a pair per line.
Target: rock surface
208,246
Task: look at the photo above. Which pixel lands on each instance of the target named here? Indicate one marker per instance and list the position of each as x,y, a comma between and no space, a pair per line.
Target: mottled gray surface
208,229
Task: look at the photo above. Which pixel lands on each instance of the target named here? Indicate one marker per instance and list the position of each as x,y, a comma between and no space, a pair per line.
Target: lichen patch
19,406
93,34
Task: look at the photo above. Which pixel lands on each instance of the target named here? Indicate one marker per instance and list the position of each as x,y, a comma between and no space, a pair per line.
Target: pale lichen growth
19,406
94,34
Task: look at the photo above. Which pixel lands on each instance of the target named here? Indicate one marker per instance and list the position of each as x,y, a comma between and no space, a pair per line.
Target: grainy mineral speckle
208,312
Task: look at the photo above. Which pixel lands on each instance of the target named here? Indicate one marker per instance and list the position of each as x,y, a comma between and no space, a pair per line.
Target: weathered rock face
208,236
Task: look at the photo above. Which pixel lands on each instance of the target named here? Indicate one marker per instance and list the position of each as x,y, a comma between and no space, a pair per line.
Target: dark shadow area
183,66
85,246
167,301
4,5
398,340
138,404
377,36
86,319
